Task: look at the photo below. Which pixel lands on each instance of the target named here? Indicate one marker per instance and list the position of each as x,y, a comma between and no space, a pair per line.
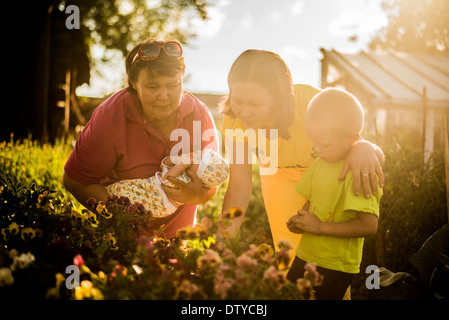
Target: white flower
6,278
22,261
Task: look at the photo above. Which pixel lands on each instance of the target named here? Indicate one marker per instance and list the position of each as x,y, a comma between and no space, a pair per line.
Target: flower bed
49,250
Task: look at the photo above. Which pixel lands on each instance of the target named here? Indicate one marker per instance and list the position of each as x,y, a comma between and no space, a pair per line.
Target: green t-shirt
334,201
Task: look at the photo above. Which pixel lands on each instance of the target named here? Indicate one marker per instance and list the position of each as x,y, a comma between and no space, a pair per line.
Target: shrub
412,208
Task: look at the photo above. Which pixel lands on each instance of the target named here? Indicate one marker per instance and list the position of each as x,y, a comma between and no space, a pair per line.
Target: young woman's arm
240,184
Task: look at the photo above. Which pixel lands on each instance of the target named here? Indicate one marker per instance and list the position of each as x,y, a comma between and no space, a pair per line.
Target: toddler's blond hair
336,109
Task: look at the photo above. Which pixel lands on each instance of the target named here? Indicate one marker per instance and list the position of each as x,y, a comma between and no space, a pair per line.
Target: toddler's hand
308,222
291,225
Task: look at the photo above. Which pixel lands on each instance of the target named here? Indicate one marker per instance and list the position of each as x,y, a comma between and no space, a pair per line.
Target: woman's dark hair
267,69
163,65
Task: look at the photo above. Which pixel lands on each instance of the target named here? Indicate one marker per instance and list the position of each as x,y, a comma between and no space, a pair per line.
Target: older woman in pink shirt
132,131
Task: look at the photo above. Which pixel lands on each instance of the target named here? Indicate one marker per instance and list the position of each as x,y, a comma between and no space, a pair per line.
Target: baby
210,167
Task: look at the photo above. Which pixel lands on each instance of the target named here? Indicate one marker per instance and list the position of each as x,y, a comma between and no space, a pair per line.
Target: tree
42,51
120,24
415,26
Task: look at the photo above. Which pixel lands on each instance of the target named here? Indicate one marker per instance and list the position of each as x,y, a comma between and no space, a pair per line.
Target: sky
294,29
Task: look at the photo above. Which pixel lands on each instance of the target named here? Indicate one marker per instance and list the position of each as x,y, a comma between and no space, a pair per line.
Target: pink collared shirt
117,144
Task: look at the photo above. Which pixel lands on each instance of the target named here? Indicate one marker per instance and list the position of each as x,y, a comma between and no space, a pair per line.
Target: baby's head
334,120
210,167
213,168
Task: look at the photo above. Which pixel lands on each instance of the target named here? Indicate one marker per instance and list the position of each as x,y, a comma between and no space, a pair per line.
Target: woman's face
252,104
159,95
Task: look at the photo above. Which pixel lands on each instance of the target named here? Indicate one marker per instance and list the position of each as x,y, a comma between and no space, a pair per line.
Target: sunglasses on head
151,51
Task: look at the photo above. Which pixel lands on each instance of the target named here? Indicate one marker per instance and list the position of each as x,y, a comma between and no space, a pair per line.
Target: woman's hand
192,192
365,160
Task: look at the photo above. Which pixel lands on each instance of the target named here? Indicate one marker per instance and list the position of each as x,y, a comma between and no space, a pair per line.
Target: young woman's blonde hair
267,69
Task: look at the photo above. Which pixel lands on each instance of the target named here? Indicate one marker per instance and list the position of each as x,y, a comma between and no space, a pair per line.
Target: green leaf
426,259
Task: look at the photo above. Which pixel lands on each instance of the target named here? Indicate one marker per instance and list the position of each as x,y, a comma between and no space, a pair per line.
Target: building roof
210,100
394,77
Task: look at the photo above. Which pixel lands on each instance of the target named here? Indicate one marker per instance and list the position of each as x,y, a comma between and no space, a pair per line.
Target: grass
30,162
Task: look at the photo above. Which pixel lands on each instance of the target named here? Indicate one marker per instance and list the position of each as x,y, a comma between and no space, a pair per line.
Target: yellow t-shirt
294,156
334,201
293,152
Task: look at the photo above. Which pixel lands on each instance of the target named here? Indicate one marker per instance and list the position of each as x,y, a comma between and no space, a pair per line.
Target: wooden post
39,122
428,127
68,87
324,69
376,131
73,100
424,122
446,160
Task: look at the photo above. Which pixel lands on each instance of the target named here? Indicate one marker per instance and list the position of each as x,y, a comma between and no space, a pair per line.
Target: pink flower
242,279
144,241
305,289
209,260
223,285
284,244
78,260
228,255
246,262
274,276
282,259
252,251
206,222
312,274
310,266
137,208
